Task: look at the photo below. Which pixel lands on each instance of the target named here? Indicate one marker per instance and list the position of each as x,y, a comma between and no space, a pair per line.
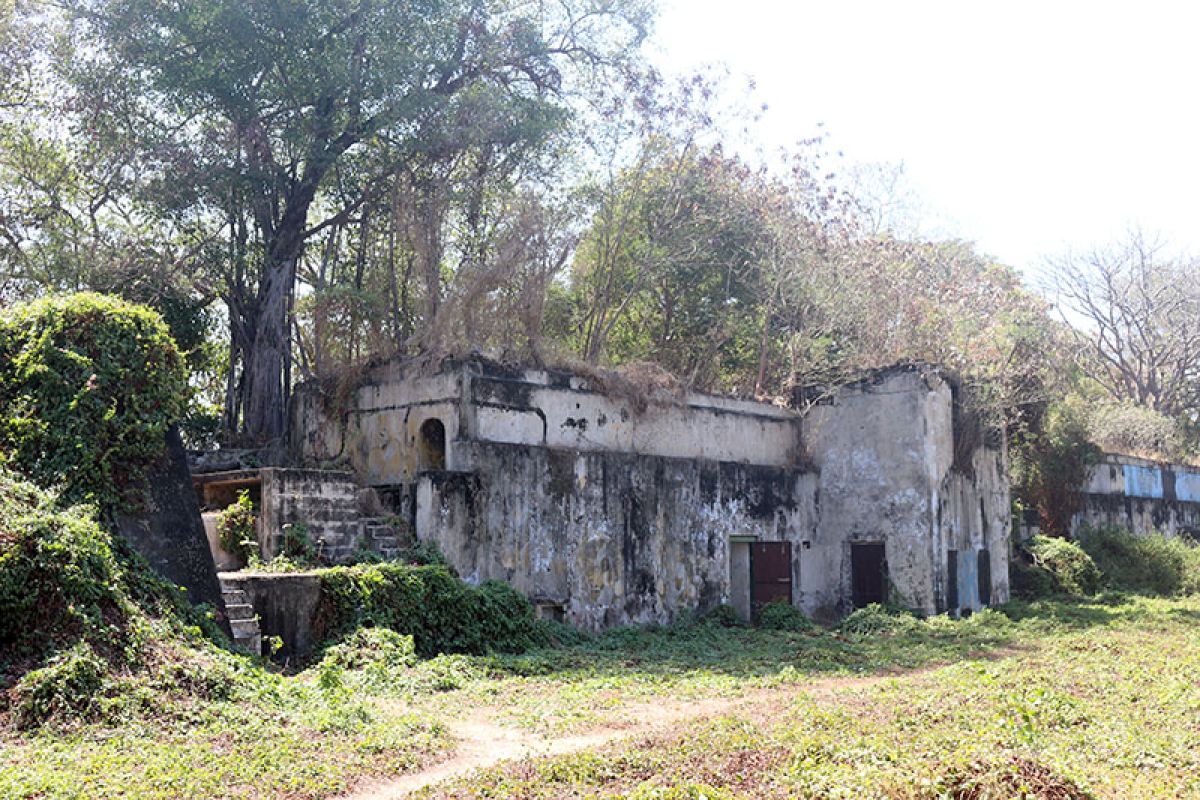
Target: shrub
1137,430
69,685
236,528
296,544
724,616
440,612
1070,568
1150,564
373,646
783,616
59,581
88,387
875,619
87,631
1028,581
1050,463
445,673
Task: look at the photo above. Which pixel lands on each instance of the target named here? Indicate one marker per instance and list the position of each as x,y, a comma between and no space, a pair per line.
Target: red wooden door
770,573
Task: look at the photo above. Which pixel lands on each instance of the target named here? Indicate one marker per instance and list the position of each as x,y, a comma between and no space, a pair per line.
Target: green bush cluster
783,616
84,622
875,619
89,385
1149,564
440,612
1050,462
373,647
70,685
236,528
59,579
723,616
1134,429
1059,566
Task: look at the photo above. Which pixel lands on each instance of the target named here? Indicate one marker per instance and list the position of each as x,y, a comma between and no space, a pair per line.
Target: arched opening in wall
432,444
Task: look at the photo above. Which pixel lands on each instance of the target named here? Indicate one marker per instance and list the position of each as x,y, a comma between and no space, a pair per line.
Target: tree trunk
264,393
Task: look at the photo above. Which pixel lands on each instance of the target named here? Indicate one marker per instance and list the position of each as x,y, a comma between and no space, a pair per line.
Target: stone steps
247,634
381,537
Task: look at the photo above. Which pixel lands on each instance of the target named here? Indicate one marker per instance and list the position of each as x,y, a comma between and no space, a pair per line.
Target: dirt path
482,743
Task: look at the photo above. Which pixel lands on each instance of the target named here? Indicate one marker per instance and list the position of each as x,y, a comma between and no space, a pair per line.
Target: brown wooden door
868,573
770,573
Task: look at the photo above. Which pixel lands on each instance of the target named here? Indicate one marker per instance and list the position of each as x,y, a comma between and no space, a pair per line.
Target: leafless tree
1134,311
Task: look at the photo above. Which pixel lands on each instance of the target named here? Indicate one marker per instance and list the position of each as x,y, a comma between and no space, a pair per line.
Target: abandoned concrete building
606,507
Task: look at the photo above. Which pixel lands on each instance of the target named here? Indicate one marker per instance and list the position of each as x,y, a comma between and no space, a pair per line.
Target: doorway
770,574
868,574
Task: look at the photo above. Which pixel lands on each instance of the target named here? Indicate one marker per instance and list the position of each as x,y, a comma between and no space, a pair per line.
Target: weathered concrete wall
379,434
611,538
884,449
325,502
169,533
565,412
1138,494
286,605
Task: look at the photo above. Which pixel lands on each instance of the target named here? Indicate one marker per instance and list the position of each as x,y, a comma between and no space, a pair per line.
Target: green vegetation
1060,699
108,680
1051,456
236,528
88,387
1150,564
783,616
1060,565
1069,697
440,612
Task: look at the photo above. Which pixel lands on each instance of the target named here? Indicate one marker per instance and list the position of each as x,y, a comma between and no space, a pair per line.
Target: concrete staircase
242,619
381,537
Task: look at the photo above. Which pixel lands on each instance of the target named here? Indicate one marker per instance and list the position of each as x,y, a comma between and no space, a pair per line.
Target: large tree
278,121
1135,314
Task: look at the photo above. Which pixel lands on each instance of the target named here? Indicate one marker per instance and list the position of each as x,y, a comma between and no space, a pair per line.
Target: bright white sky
1028,126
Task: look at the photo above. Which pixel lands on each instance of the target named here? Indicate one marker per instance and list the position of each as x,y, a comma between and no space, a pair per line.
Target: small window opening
433,445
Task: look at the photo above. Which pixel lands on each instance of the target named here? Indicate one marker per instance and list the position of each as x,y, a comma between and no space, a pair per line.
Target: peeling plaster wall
619,517
612,538
884,449
377,434
560,411
1138,494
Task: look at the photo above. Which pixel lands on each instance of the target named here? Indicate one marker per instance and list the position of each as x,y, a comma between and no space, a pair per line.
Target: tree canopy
305,188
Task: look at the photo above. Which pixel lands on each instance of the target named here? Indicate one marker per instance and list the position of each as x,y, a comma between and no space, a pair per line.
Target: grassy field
1055,699
1068,700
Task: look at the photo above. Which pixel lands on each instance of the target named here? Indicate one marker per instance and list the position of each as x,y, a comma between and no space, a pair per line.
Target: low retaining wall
286,605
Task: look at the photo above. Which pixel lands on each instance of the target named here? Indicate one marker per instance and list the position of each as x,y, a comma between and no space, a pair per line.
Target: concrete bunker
607,509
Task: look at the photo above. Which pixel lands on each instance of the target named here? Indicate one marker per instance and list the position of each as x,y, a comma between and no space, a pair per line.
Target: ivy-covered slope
86,630
89,385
